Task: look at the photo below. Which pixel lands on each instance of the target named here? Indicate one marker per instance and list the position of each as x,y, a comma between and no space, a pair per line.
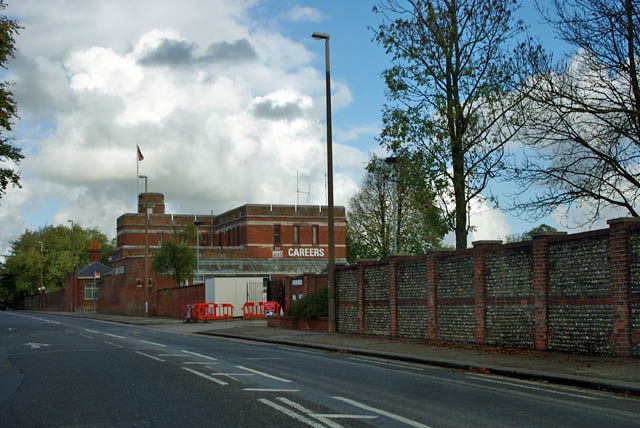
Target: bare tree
447,91
582,115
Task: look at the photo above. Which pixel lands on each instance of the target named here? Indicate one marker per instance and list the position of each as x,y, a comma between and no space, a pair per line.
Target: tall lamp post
41,288
146,251
197,224
331,266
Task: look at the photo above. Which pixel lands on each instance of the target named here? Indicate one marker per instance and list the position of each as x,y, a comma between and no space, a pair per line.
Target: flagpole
137,173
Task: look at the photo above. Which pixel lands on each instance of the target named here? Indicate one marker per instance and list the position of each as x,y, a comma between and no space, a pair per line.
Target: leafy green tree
46,256
176,257
370,217
527,236
447,90
10,155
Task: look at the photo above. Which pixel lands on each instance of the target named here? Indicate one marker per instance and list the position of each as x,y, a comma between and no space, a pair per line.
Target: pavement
618,375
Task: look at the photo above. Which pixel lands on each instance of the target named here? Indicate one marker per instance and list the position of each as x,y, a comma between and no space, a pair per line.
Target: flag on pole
140,157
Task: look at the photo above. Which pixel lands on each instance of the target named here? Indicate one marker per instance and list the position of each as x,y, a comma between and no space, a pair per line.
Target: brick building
82,286
265,241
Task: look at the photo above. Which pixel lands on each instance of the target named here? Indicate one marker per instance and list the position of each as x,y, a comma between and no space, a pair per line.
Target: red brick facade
271,241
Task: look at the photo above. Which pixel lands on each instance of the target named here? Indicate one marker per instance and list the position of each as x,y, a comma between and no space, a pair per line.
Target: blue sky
225,99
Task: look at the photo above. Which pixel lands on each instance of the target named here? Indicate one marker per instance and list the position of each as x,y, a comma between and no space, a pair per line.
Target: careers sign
305,252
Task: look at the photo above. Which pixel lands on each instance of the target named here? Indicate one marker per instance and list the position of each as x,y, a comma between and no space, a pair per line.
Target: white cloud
304,13
215,134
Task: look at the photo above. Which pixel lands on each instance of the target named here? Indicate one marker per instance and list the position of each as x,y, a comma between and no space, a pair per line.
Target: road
58,371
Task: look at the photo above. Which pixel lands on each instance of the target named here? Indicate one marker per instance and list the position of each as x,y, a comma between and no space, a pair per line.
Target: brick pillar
619,257
480,251
432,309
393,296
540,256
361,267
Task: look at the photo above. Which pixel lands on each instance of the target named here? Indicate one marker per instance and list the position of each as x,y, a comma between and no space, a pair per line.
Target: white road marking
150,356
291,413
34,345
114,344
87,336
206,357
199,362
300,350
92,331
153,343
384,363
342,416
114,335
383,413
202,375
308,412
517,385
173,355
270,390
264,374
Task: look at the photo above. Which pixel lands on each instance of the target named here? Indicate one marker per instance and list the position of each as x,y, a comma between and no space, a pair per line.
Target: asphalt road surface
58,371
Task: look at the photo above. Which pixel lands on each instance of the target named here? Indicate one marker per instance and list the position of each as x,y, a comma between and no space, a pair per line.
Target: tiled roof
90,270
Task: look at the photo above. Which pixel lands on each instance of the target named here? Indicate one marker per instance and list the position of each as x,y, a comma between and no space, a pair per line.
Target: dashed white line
113,344
206,357
267,375
383,413
291,413
384,363
517,385
270,390
153,343
205,376
114,335
173,355
87,336
150,356
199,362
92,331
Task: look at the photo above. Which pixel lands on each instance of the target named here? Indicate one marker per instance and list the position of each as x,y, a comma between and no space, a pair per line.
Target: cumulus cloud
222,120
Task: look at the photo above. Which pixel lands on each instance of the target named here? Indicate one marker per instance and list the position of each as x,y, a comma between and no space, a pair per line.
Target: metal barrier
208,311
261,309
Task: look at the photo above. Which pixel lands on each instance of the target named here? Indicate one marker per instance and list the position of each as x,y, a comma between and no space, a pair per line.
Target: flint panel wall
509,288
578,293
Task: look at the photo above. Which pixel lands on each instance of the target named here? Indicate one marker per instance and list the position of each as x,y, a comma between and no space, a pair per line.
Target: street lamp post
331,266
197,224
148,211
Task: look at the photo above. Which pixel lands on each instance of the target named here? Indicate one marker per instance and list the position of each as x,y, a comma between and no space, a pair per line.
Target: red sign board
269,306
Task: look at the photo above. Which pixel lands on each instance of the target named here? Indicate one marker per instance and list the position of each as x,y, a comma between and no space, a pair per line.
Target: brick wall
172,301
574,293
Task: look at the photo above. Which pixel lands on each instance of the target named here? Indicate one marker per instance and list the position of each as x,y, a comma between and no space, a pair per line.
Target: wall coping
632,220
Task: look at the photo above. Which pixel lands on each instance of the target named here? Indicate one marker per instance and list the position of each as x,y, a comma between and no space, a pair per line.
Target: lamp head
320,36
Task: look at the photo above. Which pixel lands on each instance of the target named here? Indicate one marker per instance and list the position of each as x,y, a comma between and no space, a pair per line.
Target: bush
310,307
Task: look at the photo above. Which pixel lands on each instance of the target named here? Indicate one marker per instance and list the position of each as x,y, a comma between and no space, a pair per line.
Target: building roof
89,271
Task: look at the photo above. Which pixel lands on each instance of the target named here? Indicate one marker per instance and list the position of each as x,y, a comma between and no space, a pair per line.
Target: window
296,234
276,234
90,292
315,235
